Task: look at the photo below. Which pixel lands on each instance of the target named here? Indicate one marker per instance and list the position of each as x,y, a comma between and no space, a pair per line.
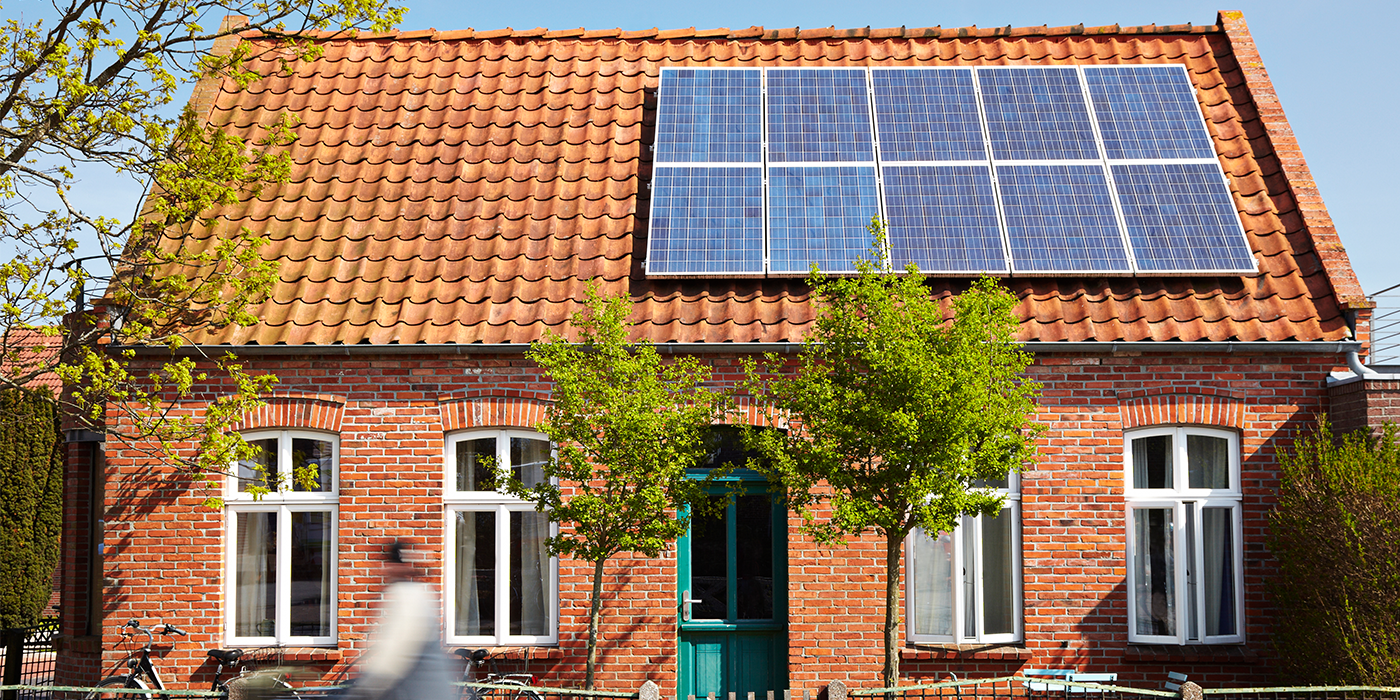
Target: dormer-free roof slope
466,187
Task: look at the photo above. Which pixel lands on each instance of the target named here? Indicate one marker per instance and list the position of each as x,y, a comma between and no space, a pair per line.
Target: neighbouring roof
27,356
466,187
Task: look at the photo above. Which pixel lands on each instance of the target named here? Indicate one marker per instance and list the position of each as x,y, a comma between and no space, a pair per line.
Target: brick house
452,196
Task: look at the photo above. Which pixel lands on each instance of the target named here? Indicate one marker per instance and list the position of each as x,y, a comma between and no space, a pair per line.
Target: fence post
649,691
14,658
836,690
1191,691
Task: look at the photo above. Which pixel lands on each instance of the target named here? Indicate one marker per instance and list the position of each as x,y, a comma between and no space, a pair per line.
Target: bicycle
142,673
509,686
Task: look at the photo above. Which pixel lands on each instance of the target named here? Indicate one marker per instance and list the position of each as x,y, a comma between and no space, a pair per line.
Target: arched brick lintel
463,413
297,410
1175,406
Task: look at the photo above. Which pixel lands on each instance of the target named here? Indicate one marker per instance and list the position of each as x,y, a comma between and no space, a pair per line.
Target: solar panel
706,220
1037,114
819,116
943,218
1181,217
1148,112
1060,218
709,116
927,115
818,215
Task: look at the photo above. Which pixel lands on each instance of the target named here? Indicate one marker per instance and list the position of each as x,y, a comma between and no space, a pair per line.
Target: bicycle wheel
117,682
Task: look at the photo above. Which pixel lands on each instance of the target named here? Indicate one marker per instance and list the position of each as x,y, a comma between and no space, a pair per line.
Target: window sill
1171,653
545,651
921,652
299,654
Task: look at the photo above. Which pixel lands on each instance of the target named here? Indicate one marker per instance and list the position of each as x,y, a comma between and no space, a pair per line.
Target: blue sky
1331,62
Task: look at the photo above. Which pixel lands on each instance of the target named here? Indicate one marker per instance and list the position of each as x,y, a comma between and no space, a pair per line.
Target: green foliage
31,503
896,411
1336,533
625,426
87,93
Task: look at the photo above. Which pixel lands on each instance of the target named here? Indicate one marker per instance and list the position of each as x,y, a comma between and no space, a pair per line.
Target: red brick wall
165,551
1363,402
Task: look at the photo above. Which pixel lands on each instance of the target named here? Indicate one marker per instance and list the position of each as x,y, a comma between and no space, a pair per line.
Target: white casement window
1185,548
281,568
501,585
965,585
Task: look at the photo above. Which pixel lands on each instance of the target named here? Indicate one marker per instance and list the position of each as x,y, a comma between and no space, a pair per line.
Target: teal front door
733,600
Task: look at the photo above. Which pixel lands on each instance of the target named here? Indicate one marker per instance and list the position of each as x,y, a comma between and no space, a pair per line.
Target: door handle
686,602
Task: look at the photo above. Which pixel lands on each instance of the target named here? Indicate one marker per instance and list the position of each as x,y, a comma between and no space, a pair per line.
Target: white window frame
1180,500
1011,506
284,502
502,504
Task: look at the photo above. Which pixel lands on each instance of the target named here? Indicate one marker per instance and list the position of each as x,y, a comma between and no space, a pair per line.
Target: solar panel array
1002,170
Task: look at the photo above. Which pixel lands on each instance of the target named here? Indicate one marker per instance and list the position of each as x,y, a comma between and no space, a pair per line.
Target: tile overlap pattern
466,187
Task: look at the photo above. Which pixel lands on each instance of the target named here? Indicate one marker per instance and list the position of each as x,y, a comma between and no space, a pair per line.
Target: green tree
897,410
1335,531
625,428
31,503
88,93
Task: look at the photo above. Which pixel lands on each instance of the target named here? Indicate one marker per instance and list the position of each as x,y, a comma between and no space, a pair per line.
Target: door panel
733,630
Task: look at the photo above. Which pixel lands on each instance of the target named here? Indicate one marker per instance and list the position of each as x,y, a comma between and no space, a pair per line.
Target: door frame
748,483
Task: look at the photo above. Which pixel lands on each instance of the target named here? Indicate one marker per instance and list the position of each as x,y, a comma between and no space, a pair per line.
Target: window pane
1207,462
933,584
968,532
255,575
998,573
309,454
472,472
529,569
475,578
1154,584
709,567
262,468
1152,462
1219,580
754,560
527,459
311,574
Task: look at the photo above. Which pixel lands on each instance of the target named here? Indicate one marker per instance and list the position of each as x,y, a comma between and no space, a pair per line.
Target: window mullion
956,584
1182,552
979,578
284,574
502,593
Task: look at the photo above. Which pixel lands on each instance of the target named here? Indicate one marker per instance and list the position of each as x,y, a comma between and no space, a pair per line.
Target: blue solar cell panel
1059,218
943,218
927,115
706,220
818,215
1148,112
1037,114
818,116
1181,218
709,116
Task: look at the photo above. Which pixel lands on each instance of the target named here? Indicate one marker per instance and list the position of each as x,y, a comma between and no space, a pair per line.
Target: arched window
281,569
1185,559
501,585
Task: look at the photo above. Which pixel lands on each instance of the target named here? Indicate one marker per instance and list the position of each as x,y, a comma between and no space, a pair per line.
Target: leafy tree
898,410
1336,533
31,503
88,93
625,427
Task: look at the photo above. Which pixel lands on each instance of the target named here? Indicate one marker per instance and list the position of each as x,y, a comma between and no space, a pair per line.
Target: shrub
1336,534
31,504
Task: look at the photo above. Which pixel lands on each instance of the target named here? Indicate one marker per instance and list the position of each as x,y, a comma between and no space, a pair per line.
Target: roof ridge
761,33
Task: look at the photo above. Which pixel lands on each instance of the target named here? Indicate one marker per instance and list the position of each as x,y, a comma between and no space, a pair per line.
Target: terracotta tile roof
24,357
466,186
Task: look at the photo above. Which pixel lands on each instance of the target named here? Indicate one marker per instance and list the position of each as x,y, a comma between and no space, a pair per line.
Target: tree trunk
893,549
594,612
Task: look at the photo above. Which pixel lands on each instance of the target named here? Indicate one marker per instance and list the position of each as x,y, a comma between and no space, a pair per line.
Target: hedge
31,503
